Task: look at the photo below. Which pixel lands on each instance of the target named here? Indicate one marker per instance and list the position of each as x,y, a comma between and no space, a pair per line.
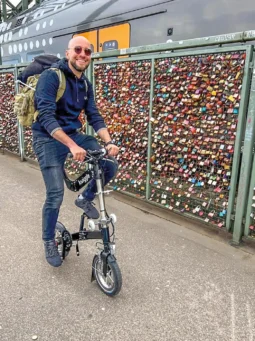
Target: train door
92,37
109,38
114,37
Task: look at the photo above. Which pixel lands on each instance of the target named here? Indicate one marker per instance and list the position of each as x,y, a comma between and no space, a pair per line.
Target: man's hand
110,147
112,150
78,153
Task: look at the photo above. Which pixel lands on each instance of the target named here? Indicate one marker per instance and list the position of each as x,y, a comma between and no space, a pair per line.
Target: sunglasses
78,50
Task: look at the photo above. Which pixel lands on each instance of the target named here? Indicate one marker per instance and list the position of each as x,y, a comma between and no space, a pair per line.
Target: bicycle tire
113,275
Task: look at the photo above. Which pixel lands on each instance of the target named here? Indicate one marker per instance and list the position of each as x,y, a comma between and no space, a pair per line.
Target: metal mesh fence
196,106
8,126
28,140
122,93
193,123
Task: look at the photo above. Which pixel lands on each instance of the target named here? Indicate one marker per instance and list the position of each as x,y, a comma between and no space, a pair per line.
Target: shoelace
51,250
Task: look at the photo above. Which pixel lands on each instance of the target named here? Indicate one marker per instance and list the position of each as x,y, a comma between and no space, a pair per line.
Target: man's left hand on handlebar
112,149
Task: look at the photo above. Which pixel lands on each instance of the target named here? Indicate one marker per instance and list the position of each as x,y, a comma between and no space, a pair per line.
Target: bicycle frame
105,269
103,221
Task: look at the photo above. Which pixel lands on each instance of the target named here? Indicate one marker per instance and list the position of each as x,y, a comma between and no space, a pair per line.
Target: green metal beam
15,10
19,126
250,202
20,4
4,11
180,45
238,142
245,171
24,5
148,173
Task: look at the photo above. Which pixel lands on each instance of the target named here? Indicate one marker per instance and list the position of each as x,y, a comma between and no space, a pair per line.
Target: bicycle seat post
98,177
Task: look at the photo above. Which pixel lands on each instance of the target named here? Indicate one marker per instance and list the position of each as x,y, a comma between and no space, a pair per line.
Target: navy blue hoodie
64,114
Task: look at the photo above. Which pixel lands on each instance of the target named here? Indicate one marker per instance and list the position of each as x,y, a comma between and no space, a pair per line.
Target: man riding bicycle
56,133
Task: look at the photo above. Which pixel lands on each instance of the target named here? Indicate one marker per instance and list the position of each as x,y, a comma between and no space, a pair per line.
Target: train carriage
116,24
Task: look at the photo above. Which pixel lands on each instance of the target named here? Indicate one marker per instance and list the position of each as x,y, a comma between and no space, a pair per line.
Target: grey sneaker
88,207
51,253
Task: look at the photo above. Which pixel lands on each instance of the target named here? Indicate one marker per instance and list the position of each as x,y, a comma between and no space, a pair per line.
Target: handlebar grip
92,153
96,152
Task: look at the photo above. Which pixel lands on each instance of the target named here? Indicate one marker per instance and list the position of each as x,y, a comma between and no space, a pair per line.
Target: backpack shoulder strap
62,83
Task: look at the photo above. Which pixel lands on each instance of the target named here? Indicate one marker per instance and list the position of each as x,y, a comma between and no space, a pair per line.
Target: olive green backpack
24,101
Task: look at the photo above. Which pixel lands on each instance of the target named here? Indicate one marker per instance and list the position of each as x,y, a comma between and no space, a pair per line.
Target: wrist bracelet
110,142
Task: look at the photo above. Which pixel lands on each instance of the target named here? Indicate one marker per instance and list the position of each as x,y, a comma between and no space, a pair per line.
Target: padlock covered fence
180,117
175,118
13,137
8,121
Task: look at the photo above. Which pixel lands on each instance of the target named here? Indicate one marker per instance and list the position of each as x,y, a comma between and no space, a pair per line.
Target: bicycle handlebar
93,155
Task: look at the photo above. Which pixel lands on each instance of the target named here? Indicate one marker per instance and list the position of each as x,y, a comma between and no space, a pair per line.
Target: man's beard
77,68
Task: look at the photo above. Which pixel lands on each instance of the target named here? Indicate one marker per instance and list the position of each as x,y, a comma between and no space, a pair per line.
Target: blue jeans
51,155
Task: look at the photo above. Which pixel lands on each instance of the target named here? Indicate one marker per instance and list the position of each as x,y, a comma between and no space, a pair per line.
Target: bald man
56,133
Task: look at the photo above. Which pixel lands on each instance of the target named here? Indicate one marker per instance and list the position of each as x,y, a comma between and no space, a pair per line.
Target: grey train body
47,28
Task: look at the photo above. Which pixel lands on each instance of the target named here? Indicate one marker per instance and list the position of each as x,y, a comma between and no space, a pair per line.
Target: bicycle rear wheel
112,282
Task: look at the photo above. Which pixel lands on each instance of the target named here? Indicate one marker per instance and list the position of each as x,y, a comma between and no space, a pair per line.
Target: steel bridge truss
8,10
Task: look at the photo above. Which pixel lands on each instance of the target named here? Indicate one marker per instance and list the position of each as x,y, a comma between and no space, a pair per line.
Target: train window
31,55
11,60
110,45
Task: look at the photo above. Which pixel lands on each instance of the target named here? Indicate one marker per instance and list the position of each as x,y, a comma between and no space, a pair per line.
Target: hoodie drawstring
77,89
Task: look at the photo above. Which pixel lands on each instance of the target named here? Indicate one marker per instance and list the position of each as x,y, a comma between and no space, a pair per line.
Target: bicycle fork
107,254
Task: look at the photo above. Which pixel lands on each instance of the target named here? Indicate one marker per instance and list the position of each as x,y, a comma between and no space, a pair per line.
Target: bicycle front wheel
110,283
